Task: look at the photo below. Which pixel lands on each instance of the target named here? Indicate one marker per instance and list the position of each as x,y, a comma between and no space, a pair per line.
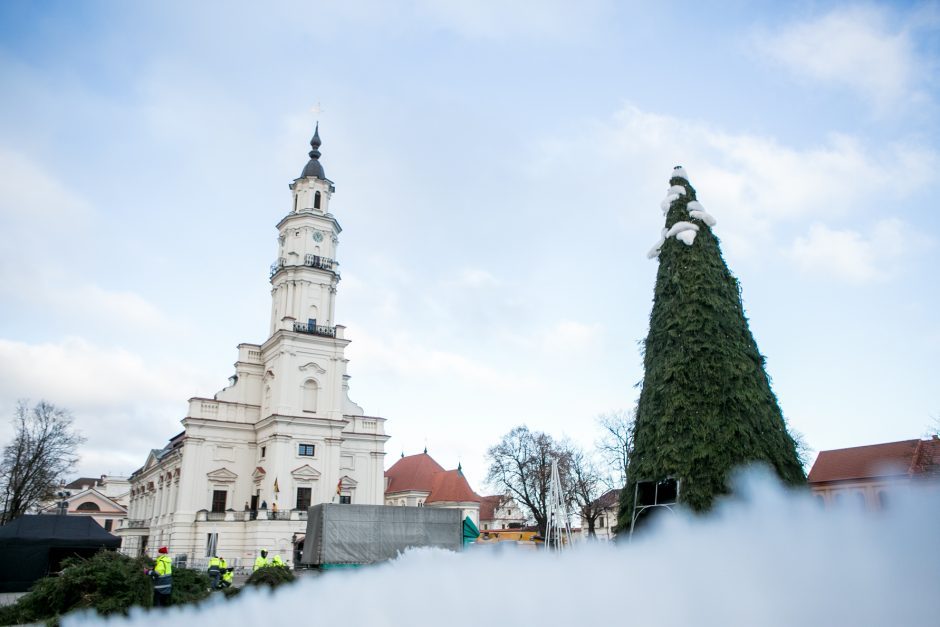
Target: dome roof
314,168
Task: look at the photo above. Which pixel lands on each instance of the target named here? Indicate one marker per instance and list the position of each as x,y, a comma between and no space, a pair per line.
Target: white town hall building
284,434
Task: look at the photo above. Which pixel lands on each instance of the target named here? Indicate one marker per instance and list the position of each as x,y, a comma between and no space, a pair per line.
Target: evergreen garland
706,405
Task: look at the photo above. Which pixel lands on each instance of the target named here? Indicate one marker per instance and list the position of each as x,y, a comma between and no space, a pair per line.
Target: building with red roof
868,474
419,481
500,511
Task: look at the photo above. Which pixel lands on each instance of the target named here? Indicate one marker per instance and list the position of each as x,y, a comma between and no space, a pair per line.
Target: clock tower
306,272
284,434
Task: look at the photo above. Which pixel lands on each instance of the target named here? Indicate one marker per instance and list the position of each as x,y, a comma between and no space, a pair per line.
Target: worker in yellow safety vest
214,571
261,561
277,561
162,575
228,574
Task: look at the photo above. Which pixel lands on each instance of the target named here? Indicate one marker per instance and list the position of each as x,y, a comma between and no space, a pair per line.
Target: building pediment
258,473
348,482
305,473
152,460
222,475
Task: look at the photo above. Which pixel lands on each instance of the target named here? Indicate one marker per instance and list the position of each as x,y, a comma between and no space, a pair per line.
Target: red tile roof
415,472
928,457
891,459
488,505
608,499
451,486
83,482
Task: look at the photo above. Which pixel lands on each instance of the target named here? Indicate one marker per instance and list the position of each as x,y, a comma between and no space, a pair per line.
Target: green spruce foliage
271,576
108,582
706,406
189,586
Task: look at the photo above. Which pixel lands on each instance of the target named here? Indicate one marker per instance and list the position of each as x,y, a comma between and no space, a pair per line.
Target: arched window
310,395
316,200
88,507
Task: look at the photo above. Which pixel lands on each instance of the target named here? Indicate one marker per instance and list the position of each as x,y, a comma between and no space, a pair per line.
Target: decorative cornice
312,365
305,472
222,475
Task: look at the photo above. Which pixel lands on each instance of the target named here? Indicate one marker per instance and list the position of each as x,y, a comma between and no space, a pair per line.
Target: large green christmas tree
706,406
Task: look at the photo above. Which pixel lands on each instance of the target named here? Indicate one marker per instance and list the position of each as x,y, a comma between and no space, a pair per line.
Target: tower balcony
323,263
278,265
310,261
314,329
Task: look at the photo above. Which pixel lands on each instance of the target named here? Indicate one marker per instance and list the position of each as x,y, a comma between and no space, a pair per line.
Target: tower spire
314,167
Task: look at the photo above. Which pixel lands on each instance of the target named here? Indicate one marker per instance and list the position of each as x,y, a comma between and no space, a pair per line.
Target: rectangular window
108,524
601,521
303,498
345,499
218,500
305,450
212,543
264,450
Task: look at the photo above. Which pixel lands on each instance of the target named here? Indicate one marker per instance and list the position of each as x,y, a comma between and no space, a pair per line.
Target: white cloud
33,204
751,184
853,256
79,374
122,404
856,47
123,307
404,356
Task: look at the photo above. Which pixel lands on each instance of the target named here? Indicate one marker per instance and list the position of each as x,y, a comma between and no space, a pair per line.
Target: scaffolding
557,527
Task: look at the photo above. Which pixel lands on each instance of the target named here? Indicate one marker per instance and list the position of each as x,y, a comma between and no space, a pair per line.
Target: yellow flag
276,489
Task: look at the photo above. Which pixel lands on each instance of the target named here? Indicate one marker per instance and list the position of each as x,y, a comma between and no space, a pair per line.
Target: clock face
317,236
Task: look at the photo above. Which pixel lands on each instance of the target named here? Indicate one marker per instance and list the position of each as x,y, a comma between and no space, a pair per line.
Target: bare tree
614,446
42,452
804,452
521,466
933,428
585,487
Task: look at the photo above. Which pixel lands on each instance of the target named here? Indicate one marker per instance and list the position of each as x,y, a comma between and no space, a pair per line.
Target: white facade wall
292,390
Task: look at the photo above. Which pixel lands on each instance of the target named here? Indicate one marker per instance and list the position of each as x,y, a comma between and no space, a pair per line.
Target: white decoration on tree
704,216
654,251
680,227
683,231
667,202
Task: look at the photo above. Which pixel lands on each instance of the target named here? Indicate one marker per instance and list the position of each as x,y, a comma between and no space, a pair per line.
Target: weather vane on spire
316,110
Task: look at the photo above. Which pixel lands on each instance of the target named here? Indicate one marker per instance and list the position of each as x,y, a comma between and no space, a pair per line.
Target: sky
498,169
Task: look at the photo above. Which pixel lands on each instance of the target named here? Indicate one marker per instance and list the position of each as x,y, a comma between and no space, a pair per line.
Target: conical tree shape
706,406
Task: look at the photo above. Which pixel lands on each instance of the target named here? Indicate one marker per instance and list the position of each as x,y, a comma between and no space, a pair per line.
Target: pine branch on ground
271,576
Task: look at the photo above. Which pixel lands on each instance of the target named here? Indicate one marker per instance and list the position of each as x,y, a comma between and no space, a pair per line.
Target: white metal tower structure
557,527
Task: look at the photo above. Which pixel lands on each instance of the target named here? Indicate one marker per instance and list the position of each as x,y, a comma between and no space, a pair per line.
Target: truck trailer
345,535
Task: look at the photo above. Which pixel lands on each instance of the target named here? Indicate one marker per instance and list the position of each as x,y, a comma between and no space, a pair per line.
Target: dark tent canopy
31,547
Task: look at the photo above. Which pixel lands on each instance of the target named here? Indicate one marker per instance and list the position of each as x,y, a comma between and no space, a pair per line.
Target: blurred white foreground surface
764,558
